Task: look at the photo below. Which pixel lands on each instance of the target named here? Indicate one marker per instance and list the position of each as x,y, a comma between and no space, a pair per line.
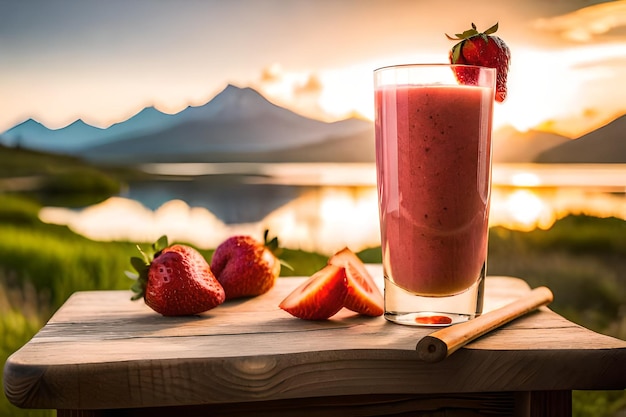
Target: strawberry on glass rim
481,49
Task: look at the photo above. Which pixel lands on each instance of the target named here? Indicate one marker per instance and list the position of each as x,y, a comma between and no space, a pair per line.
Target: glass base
403,307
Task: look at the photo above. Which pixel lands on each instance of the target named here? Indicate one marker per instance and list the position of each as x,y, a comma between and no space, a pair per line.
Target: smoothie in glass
435,233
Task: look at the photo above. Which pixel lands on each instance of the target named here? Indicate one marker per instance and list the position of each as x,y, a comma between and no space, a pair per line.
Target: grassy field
582,259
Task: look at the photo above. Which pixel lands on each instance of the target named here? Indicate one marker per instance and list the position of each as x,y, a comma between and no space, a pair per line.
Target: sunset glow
525,179
323,221
526,208
567,67
545,87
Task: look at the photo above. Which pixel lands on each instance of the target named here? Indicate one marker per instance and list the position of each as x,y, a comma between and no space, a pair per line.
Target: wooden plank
106,337
181,382
502,404
100,349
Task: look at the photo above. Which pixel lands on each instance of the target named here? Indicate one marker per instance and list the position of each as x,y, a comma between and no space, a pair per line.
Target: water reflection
323,219
526,210
328,219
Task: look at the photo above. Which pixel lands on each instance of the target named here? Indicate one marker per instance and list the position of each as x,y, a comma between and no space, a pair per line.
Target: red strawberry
364,297
319,297
245,266
485,50
176,282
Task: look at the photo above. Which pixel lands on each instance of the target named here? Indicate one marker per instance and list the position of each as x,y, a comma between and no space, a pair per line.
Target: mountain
32,134
358,147
604,145
79,135
511,145
236,121
238,124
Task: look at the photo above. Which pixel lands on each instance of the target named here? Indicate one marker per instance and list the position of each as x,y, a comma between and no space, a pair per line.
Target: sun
536,93
343,92
348,91
542,86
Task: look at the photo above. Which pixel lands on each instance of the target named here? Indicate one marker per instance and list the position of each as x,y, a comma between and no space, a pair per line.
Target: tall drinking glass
433,160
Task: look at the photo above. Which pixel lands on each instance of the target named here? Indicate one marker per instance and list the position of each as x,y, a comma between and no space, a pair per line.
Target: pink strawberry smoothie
434,214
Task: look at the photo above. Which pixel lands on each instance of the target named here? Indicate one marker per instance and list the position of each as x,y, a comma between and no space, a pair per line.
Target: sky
103,61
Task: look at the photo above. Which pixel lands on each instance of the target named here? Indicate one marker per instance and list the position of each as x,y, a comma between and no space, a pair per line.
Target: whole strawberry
177,281
245,266
485,50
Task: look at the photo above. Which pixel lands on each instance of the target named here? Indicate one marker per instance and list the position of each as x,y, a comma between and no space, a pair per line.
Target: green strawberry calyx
470,33
273,246
141,266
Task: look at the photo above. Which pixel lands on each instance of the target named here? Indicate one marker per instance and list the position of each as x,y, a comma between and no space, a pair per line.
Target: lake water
322,207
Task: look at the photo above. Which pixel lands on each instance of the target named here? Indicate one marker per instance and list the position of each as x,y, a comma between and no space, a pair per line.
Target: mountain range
240,125
604,145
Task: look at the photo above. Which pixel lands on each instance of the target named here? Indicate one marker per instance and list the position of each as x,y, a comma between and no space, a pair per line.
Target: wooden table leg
81,413
551,403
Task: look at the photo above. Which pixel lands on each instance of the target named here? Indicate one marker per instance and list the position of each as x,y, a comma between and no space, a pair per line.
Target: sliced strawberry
319,297
364,297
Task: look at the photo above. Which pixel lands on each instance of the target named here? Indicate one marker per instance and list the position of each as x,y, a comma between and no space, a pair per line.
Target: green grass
41,265
60,180
582,259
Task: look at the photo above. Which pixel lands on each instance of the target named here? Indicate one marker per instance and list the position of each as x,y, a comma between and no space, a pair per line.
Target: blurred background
121,121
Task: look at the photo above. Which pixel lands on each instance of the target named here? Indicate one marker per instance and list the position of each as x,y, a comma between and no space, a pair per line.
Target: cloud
587,24
313,85
298,91
271,73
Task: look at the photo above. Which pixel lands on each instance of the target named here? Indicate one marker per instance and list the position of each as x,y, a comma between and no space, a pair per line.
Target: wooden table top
101,350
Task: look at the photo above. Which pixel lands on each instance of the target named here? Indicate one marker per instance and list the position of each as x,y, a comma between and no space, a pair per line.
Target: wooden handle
442,343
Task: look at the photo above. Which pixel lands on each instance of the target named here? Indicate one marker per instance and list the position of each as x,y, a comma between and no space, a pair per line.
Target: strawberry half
319,297
481,49
363,297
177,281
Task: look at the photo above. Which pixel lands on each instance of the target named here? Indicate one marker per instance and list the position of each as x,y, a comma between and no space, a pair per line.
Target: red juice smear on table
434,228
